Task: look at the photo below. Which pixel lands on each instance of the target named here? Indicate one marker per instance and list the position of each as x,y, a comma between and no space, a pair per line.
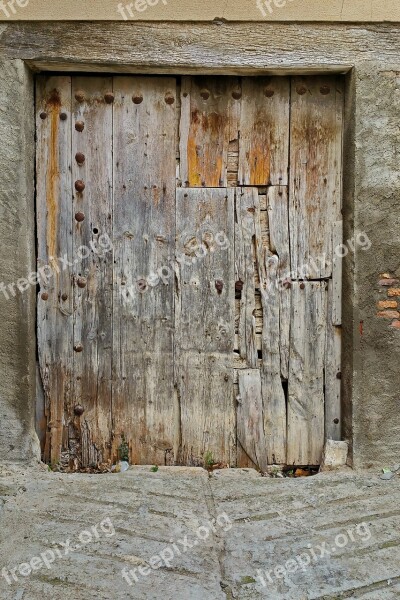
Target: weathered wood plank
274,401
247,210
209,122
144,401
333,352
93,268
315,173
264,131
204,324
54,231
306,418
250,418
278,221
337,273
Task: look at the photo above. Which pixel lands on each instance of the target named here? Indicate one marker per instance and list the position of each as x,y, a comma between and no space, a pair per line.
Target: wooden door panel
144,246
55,240
205,324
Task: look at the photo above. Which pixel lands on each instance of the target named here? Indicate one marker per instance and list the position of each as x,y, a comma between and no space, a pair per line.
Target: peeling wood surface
315,173
193,336
264,131
205,324
306,420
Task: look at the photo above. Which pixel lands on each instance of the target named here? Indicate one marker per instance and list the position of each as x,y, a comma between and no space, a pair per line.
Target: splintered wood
189,310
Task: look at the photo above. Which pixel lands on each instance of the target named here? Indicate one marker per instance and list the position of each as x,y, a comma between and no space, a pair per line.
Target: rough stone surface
335,455
18,440
346,523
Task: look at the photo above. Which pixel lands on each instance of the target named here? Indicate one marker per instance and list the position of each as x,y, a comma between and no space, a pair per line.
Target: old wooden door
189,302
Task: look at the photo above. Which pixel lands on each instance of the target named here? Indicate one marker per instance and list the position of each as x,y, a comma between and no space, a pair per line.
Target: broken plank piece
144,402
315,173
54,232
209,127
333,351
274,402
278,221
264,131
306,415
204,324
93,269
247,212
250,421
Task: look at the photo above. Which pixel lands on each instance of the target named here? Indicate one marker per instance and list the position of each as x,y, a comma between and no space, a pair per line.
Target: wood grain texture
90,433
250,418
54,233
246,213
306,419
144,244
278,223
274,401
333,353
264,131
209,122
205,324
315,173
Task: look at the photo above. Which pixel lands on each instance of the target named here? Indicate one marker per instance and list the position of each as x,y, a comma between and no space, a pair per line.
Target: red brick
394,292
388,282
387,304
389,314
395,324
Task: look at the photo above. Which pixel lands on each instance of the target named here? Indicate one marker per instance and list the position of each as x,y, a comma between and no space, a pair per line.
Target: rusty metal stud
64,297
80,158
339,375
325,90
269,93
301,90
336,421
80,216
80,96
302,286
219,286
79,410
137,99
236,94
238,286
63,116
79,185
43,115
142,285
287,284
45,296
169,98
205,94
109,98
81,282
185,94
78,347
79,126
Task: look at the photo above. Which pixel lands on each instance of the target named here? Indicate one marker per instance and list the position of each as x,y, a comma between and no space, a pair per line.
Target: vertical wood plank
246,203
209,122
93,270
264,131
205,324
337,274
306,416
250,418
278,219
333,351
315,172
54,231
144,398
274,401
